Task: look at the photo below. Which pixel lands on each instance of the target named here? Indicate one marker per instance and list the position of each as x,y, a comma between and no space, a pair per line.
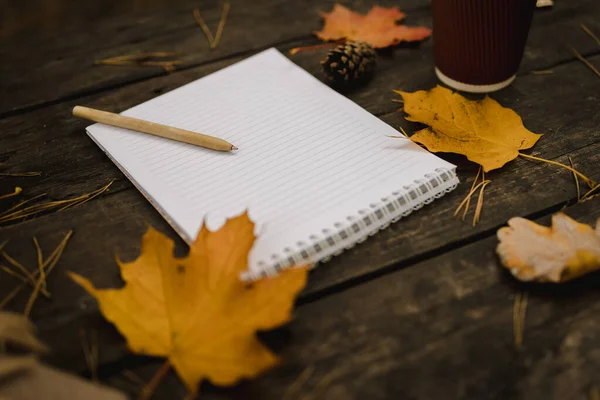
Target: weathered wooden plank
441,329
62,67
69,58
115,223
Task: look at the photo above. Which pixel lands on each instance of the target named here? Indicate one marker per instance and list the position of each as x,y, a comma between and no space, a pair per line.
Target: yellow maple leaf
195,310
484,131
532,252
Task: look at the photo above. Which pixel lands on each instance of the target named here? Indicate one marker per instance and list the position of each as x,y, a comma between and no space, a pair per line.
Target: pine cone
350,63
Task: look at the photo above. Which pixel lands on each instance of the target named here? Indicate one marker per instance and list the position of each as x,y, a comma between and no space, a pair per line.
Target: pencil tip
233,148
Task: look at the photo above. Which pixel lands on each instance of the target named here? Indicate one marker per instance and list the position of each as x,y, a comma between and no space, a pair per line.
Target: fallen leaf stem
587,180
155,381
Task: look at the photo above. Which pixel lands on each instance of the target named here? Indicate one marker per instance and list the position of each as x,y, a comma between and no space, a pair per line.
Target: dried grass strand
15,213
584,60
519,312
20,174
149,388
587,180
296,50
469,197
222,21
18,289
471,192
90,352
300,381
205,29
591,193
543,72
576,181
479,207
590,33
15,193
55,256
19,267
40,260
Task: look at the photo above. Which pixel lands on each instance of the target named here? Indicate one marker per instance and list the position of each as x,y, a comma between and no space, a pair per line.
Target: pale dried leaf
31,380
17,329
566,250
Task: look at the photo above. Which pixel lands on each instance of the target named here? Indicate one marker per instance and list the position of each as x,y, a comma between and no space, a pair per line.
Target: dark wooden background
420,311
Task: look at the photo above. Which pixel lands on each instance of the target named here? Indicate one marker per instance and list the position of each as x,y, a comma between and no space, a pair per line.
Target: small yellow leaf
195,310
532,252
484,131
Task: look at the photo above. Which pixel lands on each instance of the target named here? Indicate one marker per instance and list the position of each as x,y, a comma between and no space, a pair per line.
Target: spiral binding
357,228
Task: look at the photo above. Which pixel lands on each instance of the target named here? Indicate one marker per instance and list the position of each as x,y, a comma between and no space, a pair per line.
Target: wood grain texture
440,329
418,311
68,58
116,221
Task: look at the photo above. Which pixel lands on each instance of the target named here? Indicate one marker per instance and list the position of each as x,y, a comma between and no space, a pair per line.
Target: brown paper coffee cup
479,44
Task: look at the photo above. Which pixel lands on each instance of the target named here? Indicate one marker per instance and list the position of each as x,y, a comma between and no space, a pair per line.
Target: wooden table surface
420,311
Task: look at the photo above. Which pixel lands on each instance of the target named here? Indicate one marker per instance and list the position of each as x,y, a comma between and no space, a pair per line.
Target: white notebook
316,172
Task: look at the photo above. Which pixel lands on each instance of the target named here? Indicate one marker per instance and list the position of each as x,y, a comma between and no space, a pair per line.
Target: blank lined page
308,157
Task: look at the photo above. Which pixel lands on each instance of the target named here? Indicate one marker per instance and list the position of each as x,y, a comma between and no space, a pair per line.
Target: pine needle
576,181
469,196
50,259
519,311
295,387
202,24
21,204
584,60
590,33
21,174
144,60
133,377
149,389
591,193
477,215
587,180
594,393
14,274
221,26
19,267
90,352
543,72
296,50
19,212
16,192
40,260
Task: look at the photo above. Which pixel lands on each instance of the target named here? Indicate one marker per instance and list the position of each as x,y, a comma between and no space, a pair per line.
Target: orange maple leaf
195,310
378,28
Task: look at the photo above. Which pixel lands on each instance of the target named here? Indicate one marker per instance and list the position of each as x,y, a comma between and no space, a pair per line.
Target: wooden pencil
152,128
